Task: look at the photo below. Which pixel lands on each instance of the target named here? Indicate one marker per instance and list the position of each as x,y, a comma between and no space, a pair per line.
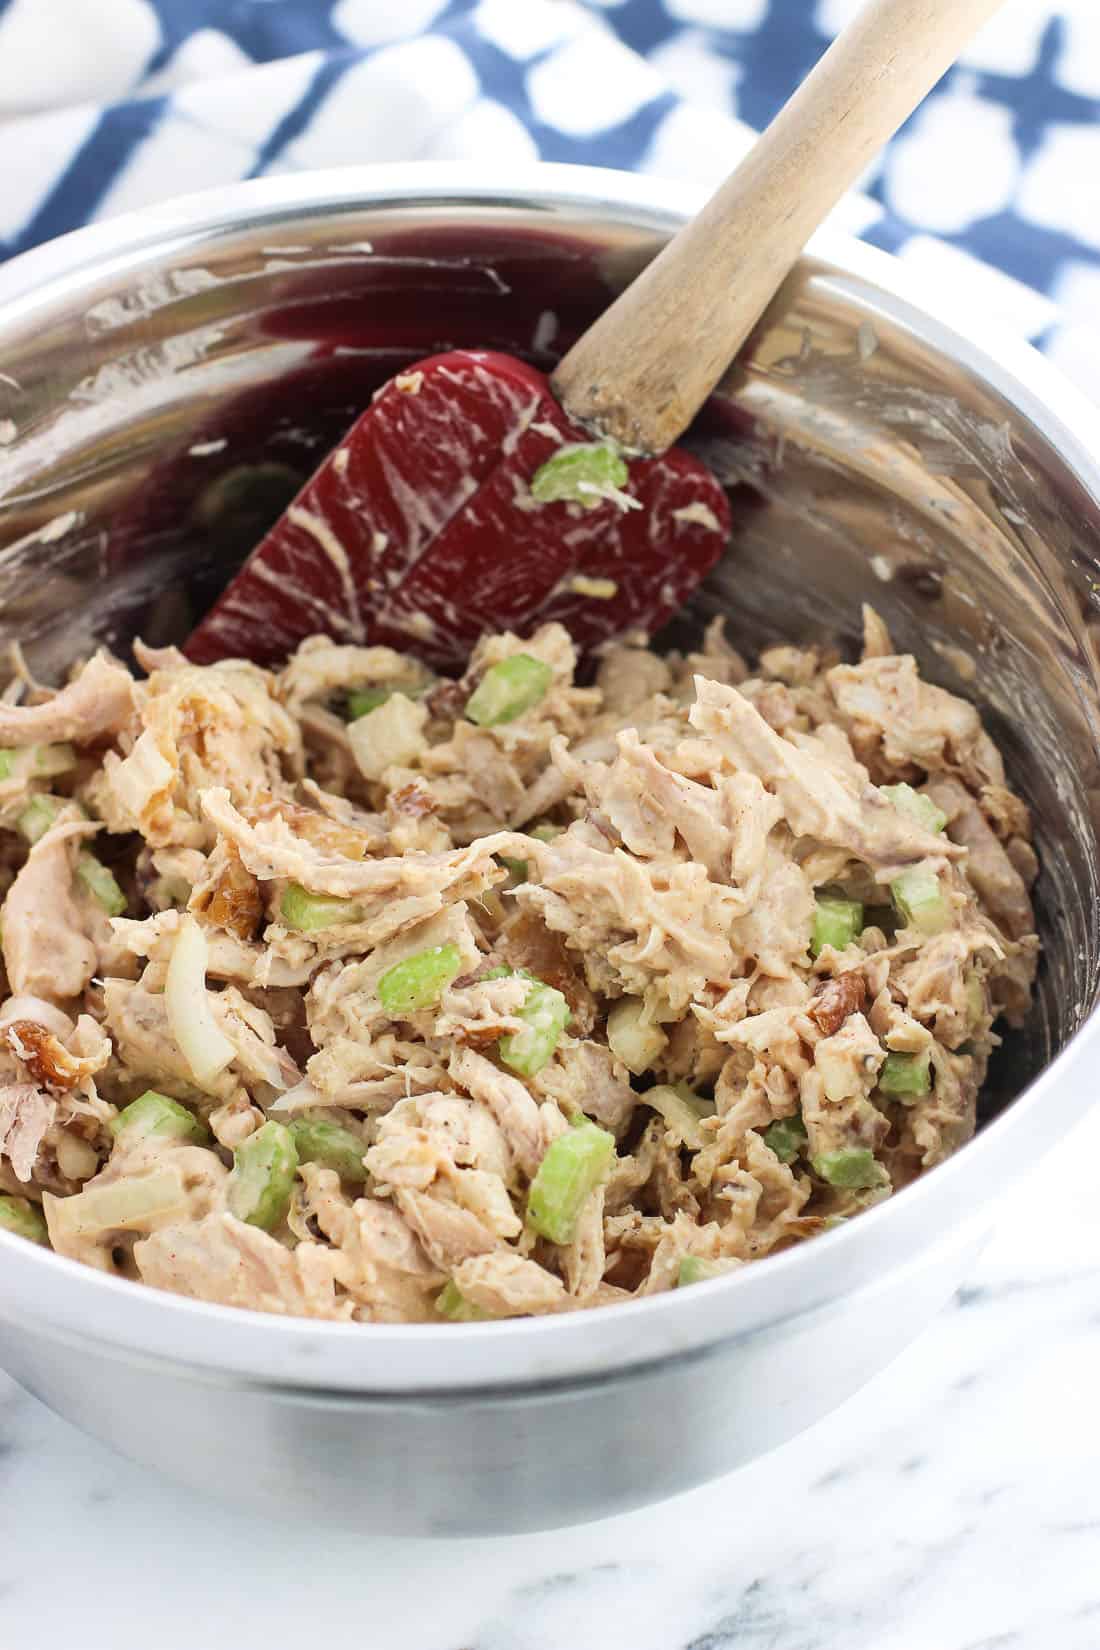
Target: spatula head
420,530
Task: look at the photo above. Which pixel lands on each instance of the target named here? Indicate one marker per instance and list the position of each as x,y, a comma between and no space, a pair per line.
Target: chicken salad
350,992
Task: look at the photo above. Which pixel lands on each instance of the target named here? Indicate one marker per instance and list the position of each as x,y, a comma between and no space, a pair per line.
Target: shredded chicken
430,1019
46,950
97,704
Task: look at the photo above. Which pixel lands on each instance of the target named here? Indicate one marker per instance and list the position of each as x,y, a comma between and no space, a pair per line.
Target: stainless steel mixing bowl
878,449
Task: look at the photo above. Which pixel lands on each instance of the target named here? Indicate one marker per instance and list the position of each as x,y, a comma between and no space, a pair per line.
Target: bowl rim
73,1304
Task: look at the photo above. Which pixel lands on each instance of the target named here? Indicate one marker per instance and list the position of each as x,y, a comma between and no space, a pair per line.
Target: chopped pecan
351,841
527,943
837,998
477,974
47,1059
412,801
479,1036
235,901
1006,812
447,700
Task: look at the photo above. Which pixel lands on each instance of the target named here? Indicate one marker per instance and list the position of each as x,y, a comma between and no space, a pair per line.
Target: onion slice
203,1044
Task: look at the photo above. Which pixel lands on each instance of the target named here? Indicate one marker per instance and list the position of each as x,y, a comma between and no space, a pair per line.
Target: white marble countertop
953,1505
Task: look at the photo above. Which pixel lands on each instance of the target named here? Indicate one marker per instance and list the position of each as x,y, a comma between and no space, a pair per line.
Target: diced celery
919,901
854,1168
24,1218
420,980
37,761
331,1145
546,833
516,869
581,472
696,1269
53,759
37,817
389,736
364,700
452,1303
100,883
507,689
155,1114
545,1015
307,912
837,922
975,998
168,892
682,1111
915,806
787,1137
361,701
631,1037
906,1074
572,1167
264,1166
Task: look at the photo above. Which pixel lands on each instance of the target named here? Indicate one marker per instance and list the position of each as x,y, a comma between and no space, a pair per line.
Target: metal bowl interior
169,380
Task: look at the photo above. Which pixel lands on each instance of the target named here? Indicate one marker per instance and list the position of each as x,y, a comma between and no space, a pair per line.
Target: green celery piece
170,891
419,981
23,1218
581,472
452,1303
695,1269
361,701
331,1145
854,1168
915,806
38,816
100,883
545,833
906,1074
53,759
572,1167
787,1137
155,1114
545,1015
307,912
43,761
507,689
919,901
516,868
36,819
364,700
837,922
264,1166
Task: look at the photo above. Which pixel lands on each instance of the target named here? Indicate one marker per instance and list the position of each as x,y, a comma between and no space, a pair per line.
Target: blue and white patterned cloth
994,185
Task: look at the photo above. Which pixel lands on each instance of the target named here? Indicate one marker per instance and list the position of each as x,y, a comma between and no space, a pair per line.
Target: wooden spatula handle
643,370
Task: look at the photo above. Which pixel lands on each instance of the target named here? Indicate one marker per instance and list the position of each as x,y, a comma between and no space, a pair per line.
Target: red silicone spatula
435,520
